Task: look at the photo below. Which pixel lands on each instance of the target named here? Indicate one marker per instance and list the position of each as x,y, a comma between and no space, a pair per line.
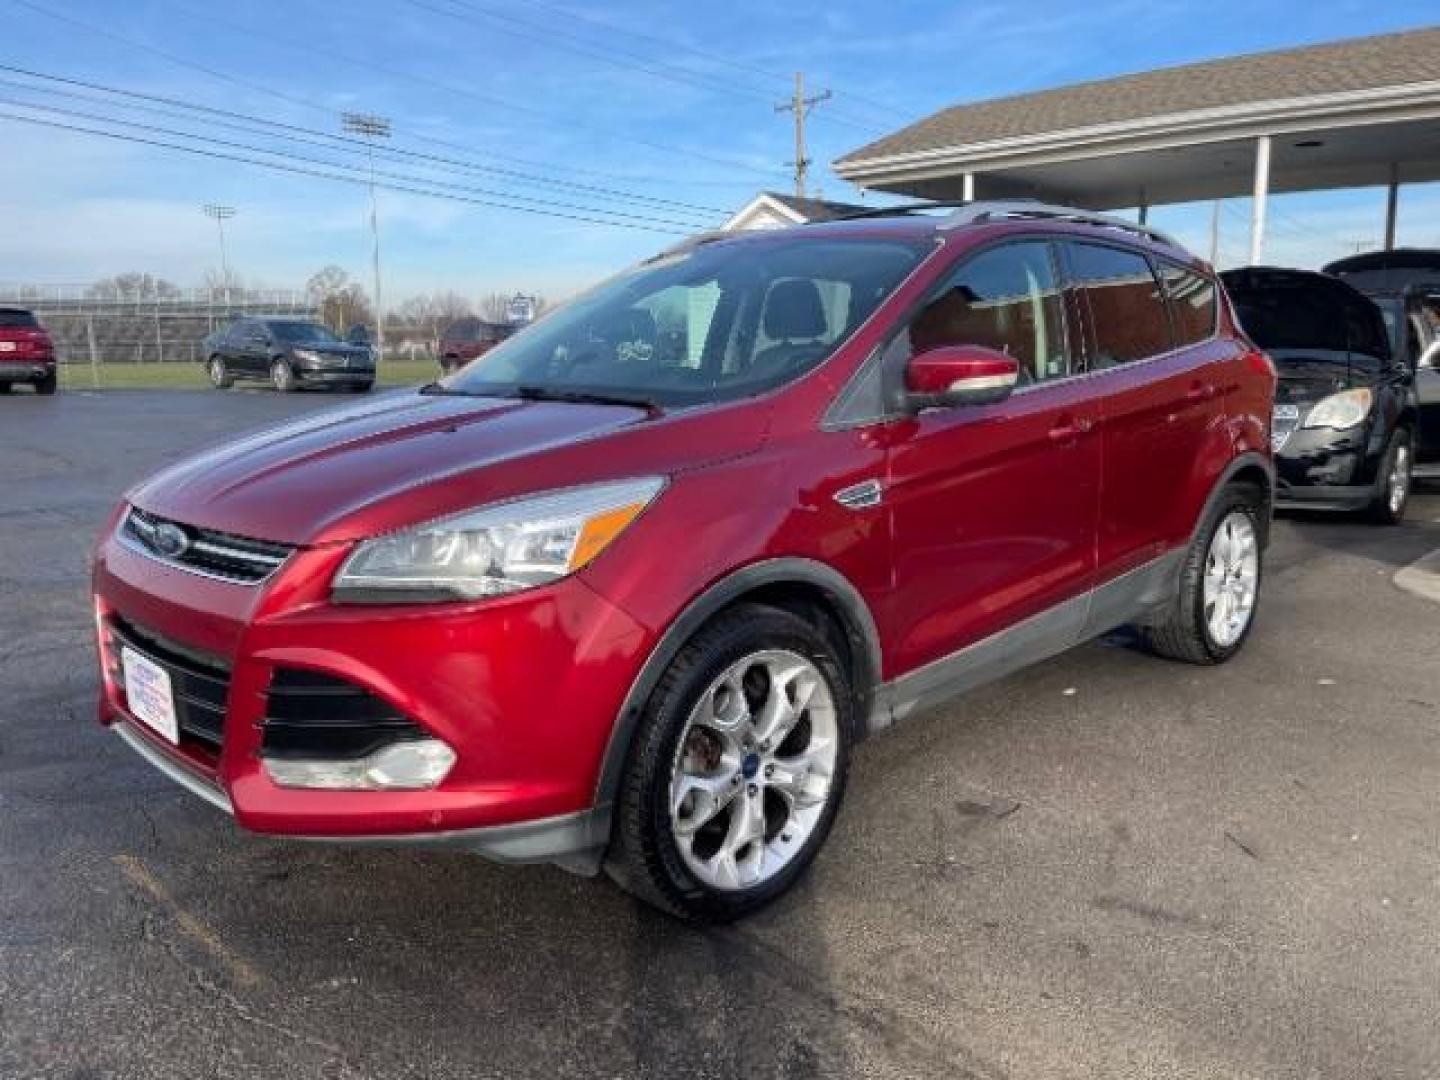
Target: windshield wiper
587,397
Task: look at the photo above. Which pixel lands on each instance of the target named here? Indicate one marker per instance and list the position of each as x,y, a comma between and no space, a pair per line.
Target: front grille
204,551
314,716
201,684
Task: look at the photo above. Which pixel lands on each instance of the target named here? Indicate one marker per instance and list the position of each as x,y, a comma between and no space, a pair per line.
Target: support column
967,187
1262,195
1392,206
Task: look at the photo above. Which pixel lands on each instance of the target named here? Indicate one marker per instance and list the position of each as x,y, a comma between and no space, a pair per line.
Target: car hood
407,457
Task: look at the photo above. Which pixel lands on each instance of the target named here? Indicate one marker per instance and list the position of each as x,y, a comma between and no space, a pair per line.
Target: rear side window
14,318
1192,302
1007,299
1126,309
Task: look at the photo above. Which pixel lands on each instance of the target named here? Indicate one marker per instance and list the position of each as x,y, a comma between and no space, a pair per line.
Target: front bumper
334,377
1322,469
525,690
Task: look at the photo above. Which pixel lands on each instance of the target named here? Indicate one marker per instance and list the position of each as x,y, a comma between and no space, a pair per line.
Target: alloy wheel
754,768
1232,578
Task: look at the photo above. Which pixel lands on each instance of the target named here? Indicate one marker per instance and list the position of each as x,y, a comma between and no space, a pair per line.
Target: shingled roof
1358,64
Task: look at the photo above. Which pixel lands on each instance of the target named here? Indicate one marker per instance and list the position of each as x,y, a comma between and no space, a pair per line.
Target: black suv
1405,283
1345,407
290,354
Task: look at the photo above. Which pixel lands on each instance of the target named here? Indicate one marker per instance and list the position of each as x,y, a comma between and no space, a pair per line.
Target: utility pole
371,128
222,214
801,105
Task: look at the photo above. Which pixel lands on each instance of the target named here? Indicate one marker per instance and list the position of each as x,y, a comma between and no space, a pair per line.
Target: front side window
1126,309
302,333
14,318
721,321
1006,299
1192,302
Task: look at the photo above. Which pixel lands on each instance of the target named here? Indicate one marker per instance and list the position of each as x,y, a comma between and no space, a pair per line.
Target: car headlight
1340,411
496,549
310,356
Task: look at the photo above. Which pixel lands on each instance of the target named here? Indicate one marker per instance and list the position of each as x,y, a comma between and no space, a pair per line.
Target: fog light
401,766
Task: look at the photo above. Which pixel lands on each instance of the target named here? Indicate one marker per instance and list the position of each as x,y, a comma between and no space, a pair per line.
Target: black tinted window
13,317
1192,302
1006,299
1126,311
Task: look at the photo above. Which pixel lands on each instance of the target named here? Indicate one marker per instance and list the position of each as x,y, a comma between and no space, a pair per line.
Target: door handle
1069,428
1200,391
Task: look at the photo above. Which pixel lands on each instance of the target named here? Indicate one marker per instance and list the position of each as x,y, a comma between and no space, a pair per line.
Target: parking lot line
1422,577
240,971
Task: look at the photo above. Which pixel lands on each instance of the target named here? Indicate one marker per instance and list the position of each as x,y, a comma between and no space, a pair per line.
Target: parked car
596,601
27,355
288,353
469,339
1405,283
1345,410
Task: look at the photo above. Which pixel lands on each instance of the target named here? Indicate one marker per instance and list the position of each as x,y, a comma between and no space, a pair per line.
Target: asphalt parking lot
1107,866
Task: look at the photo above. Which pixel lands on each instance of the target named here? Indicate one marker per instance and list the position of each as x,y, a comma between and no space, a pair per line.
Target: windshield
312,333
720,322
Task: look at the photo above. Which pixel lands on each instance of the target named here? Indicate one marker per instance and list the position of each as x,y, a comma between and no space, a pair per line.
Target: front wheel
737,769
1214,606
1388,506
282,377
220,377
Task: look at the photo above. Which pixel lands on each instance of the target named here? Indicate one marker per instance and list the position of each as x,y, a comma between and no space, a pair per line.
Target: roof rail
975,213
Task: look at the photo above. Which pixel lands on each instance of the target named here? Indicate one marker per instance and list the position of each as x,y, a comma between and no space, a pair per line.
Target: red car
627,591
27,355
468,340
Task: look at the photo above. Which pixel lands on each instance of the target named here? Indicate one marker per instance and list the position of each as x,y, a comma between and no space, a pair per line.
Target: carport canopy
1345,114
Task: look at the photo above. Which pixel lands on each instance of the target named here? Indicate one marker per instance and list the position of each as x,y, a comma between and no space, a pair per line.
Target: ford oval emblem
171,540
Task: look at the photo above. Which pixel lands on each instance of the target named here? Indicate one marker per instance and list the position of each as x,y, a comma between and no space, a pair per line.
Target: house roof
1358,64
791,206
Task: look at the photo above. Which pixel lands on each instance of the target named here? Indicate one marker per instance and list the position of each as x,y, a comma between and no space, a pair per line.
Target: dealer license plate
149,693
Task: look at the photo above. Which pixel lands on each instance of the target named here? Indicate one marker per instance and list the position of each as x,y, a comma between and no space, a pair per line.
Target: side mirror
954,375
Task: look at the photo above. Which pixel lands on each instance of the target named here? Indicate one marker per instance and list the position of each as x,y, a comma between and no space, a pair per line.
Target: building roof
1338,67
771,207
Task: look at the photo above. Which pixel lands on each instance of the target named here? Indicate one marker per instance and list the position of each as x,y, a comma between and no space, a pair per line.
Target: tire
1188,630
776,801
48,385
1394,482
5,387
281,377
219,372
361,388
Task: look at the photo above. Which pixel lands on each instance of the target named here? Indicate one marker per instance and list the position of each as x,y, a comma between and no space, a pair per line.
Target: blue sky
670,102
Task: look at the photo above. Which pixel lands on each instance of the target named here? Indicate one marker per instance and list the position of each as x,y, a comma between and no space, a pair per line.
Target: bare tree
493,307
341,302
133,285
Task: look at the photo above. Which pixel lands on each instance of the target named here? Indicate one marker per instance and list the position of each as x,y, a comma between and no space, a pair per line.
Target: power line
448,88
406,178
177,109
715,58
410,188
559,38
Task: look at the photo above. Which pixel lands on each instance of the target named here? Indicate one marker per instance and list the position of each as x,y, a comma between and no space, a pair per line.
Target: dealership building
1357,113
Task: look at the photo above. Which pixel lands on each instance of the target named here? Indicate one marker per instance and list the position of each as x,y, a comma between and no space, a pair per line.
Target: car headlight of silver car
1340,411
495,549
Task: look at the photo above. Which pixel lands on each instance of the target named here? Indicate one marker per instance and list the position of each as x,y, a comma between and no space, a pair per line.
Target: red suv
27,355
469,339
627,591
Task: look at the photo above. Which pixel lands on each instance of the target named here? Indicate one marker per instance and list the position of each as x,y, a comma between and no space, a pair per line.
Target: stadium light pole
222,214
370,128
